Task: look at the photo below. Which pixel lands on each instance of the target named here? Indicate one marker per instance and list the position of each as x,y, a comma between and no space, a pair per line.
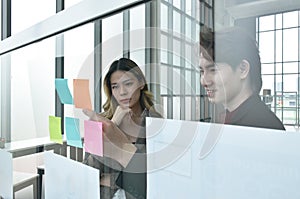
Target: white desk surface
30,146
26,144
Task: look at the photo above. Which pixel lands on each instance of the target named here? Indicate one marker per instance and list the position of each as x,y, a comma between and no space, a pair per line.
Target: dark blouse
132,178
254,113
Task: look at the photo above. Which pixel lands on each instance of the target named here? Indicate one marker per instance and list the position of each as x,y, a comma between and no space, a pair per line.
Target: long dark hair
127,65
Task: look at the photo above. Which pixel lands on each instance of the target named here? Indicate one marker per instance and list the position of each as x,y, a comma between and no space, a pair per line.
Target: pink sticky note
81,94
93,142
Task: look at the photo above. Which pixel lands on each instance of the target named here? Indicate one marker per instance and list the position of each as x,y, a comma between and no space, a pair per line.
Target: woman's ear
142,85
244,68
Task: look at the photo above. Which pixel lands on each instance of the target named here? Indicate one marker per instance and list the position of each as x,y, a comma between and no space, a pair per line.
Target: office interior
78,39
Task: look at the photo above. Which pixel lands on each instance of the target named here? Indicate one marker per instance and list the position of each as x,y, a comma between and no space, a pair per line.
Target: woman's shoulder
154,113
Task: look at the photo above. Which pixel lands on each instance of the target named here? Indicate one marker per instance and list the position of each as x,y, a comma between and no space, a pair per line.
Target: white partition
66,178
6,175
244,163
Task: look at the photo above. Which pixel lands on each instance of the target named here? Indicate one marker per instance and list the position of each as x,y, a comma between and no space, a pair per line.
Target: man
230,70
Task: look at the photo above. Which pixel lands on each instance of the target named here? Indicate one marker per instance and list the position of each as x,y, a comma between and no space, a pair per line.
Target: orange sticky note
82,98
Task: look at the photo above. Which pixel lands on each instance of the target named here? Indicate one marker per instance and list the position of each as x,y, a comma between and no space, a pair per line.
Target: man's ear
244,69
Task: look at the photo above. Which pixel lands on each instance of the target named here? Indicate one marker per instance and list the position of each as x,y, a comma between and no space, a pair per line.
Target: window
278,38
178,74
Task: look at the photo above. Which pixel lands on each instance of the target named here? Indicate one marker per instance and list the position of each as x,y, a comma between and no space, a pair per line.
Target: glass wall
69,3
34,67
128,33
179,86
78,54
0,18
24,13
32,89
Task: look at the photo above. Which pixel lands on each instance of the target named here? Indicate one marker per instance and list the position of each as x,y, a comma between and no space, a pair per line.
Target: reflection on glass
278,21
79,62
188,87
176,108
176,52
290,45
176,3
278,68
188,108
266,46
266,23
1,15
268,83
27,13
267,68
69,3
290,83
188,28
176,90
137,35
164,49
278,44
32,89
290,67
112,40
176,22
188,7
164,80
290,19
163,17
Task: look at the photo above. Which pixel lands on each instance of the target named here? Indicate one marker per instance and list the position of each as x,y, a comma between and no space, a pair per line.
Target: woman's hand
110,130
115,142
119,114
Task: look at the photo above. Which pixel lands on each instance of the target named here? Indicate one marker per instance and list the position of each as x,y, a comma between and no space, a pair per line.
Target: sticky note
82,98
55,129
73,132
61,86
93,142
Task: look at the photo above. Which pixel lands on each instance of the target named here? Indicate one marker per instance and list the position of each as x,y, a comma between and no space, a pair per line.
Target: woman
128,103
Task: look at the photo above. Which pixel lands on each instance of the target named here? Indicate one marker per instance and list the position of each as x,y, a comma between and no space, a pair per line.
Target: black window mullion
183,82
5,73
59,67
97,65
170,62
126,34
5,19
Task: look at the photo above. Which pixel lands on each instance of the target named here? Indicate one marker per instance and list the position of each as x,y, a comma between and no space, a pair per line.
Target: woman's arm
115,143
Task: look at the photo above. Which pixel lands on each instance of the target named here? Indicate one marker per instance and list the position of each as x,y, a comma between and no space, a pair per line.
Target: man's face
221,82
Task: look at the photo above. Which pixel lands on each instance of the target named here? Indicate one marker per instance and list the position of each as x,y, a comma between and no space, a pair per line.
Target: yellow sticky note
55,129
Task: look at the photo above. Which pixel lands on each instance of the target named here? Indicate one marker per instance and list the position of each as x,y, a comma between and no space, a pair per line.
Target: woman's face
126,88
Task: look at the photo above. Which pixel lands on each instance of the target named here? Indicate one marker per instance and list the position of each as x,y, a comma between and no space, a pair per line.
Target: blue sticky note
61,86
72,132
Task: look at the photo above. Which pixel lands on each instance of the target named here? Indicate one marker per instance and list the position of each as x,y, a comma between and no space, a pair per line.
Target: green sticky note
55,129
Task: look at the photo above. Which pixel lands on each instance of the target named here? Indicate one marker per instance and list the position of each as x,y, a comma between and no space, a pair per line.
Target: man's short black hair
233,45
